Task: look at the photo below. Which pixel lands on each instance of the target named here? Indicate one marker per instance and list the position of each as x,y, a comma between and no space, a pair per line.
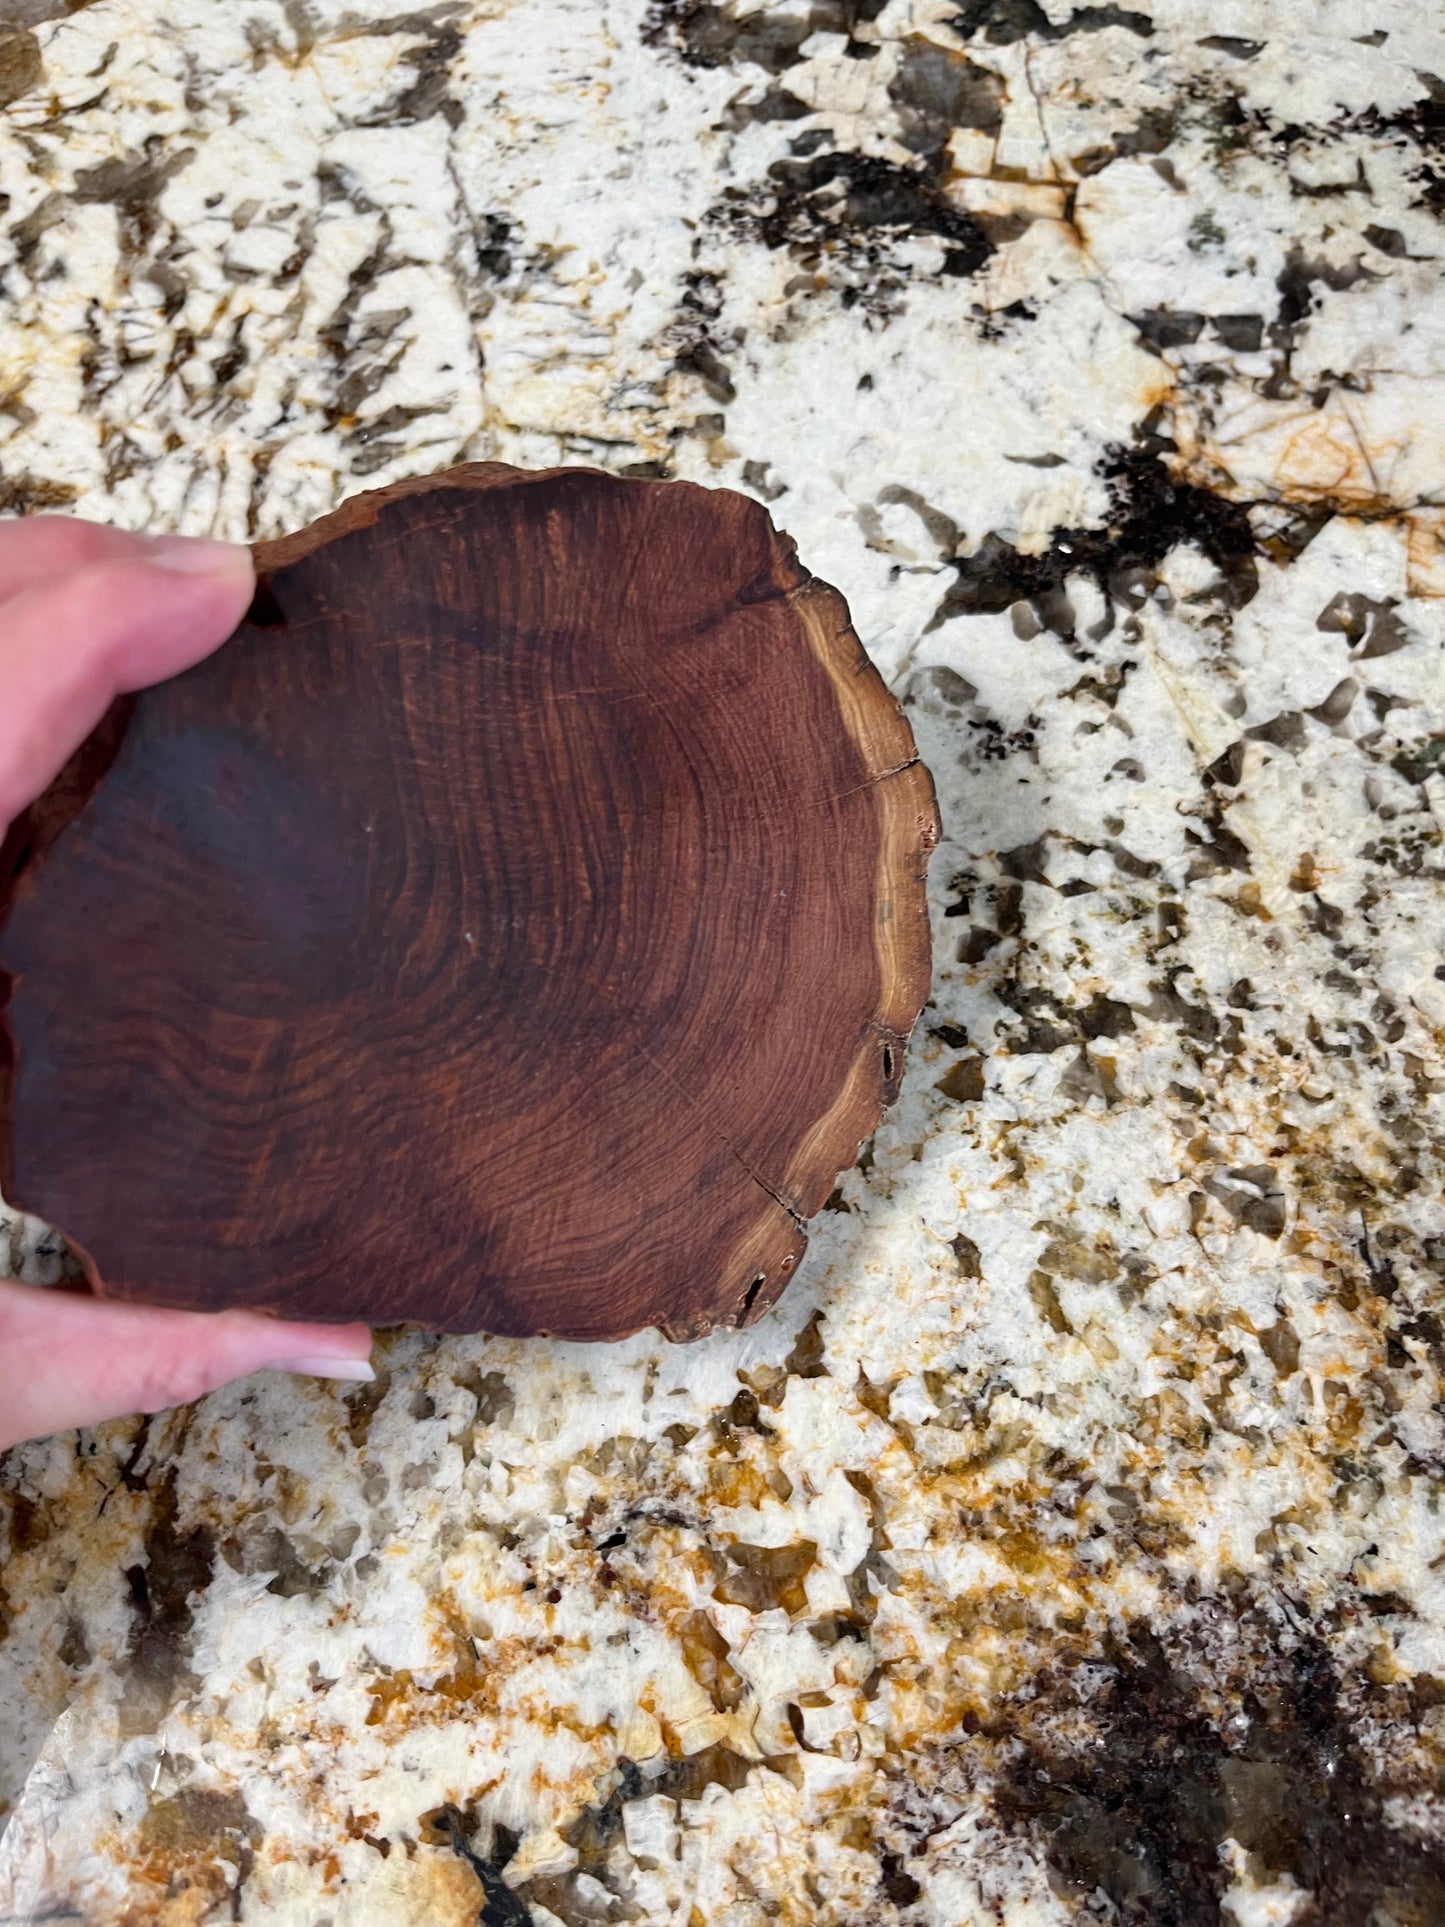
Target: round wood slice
515,927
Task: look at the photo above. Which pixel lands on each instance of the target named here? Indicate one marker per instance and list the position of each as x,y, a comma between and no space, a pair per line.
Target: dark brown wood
515,927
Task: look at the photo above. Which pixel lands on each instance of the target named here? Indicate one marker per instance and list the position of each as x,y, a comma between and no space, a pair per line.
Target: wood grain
516,926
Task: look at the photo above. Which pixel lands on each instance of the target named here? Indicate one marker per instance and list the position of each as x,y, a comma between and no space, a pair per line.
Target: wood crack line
726,1142
868,783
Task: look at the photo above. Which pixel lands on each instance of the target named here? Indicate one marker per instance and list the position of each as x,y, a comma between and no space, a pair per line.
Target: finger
68,1360
37,548
70,645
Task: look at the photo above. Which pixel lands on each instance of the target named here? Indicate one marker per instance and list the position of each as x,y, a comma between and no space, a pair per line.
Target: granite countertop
1067,1545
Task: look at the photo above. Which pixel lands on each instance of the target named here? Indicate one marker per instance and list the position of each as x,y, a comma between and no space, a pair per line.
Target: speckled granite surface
1067,1545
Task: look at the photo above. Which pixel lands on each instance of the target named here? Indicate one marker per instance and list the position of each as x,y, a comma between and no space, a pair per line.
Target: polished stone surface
1067,1544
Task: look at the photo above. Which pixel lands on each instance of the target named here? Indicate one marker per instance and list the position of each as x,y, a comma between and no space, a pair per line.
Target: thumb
73,642
68,1360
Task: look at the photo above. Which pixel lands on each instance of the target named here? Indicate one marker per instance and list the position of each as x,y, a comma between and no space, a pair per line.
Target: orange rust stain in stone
737,1484
190,1852
541,1711
403,1697
1425,552
1312,455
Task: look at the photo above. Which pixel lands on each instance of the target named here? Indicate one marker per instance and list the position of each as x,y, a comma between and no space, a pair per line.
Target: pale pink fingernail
194,556
353,1368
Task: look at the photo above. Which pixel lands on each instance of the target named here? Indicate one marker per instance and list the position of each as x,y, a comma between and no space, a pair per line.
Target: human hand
86,614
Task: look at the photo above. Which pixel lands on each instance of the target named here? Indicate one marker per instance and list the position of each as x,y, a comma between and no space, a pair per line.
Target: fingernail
194,556
353,1368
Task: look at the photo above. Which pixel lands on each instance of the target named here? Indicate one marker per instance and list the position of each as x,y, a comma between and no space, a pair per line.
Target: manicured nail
194,556
353,1368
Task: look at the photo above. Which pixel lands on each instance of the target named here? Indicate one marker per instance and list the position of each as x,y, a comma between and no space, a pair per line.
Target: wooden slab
516,926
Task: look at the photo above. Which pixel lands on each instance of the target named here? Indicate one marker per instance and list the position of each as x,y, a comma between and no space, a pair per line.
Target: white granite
1091,1470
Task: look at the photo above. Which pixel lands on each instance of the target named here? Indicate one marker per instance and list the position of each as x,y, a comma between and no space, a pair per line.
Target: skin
86,614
